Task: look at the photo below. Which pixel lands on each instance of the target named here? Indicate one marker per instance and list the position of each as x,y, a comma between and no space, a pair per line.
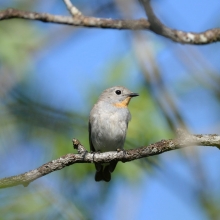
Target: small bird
108,123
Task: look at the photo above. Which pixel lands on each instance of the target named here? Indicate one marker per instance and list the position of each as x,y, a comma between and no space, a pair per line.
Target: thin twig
72,9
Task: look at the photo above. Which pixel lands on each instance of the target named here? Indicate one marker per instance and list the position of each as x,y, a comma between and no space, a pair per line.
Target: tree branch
183,140
82,21
206,37
153,24
72,9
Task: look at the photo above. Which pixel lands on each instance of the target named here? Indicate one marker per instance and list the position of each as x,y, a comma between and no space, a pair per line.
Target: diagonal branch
209,36
183,140
72,9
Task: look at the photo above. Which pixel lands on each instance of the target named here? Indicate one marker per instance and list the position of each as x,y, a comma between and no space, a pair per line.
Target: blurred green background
50,77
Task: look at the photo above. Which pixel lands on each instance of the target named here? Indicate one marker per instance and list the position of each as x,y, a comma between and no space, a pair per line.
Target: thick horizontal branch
83,156
153,24
82,21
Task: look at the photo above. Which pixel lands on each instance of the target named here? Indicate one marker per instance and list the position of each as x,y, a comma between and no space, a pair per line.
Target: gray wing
128,118
90,140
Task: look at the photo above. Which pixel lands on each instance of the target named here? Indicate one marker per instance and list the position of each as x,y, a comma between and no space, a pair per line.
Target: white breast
108,129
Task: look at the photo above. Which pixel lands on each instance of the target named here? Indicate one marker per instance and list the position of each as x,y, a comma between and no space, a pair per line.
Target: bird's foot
121,150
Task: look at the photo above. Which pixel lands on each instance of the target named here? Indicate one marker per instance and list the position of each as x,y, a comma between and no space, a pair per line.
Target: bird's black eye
118,92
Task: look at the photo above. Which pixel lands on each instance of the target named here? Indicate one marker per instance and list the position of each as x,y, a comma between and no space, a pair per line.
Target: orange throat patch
124,103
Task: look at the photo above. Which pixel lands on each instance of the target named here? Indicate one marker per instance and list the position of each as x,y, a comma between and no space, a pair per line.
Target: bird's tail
103,172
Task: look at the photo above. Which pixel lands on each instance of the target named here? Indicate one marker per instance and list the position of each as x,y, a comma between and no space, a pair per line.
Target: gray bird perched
108,123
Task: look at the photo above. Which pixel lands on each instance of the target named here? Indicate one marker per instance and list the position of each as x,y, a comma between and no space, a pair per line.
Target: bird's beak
133,94
126,101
